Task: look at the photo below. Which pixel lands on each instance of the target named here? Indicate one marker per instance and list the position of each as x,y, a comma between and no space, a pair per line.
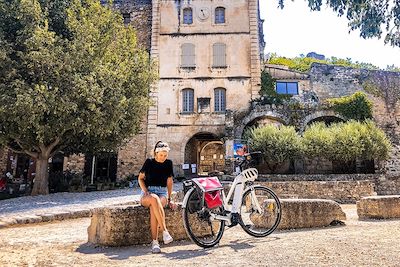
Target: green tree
72,78
370,17
276,144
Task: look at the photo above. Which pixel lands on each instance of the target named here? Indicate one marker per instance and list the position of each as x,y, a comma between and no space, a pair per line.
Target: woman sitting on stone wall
156,182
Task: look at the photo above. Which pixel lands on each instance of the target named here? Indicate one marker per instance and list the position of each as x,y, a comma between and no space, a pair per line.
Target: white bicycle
206,209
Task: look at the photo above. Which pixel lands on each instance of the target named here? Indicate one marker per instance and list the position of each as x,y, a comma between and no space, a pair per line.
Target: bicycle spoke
199,226
260,211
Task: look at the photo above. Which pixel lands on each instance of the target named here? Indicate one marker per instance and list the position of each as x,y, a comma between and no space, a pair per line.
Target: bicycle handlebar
246,158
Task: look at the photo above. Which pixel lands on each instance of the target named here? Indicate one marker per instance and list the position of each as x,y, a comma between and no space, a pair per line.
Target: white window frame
220,100
187,104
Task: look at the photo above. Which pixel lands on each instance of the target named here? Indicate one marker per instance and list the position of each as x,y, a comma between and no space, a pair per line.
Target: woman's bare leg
156,207
153,225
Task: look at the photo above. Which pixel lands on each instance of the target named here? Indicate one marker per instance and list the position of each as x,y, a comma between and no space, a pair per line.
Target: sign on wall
240,147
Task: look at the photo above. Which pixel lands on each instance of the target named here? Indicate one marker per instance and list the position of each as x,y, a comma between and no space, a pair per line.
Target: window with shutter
188,56
219,15
219,100
187,100
219,55
187,16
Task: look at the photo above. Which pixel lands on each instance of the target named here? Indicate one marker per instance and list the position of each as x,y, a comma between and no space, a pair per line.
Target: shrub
276,144
346,142
317,140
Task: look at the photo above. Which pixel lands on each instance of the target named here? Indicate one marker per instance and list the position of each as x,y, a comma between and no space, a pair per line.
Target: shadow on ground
181,252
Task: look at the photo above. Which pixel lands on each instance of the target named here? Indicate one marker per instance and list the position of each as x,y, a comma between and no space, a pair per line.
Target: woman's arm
142,185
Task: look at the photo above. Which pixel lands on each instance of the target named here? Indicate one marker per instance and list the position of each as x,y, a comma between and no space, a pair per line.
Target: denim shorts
158,190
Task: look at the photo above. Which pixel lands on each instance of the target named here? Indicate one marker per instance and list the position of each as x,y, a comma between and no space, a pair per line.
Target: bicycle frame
236,191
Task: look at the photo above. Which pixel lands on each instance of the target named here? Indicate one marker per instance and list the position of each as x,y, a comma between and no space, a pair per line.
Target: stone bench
379,207
129,225
310,213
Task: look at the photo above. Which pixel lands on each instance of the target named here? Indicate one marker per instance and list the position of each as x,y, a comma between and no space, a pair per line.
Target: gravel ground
59,206
359,243
30,205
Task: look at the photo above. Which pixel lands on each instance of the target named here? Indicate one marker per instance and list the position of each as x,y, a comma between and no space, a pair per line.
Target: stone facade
199,137
314,88
189,131
74,163
382,87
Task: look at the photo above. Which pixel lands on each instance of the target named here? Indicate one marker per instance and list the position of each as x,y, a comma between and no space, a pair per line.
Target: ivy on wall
356,106
372,88
268,93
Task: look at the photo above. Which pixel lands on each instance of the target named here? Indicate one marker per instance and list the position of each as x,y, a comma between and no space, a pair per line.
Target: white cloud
295,30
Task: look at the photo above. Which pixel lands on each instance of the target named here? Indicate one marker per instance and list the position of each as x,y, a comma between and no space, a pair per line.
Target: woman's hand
172,205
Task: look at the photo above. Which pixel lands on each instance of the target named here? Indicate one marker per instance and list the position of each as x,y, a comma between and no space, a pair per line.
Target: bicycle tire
196,221
254,223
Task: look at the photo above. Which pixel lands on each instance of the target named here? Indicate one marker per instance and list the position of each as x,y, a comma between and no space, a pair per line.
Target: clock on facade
203,13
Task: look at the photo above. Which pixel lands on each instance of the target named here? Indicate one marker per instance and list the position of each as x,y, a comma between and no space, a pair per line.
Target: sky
296,30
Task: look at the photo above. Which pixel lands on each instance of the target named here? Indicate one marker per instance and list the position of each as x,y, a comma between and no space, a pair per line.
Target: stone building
209,62
209,55
310,89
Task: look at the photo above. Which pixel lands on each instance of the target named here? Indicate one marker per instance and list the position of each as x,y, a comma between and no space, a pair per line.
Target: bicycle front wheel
199,224
260,212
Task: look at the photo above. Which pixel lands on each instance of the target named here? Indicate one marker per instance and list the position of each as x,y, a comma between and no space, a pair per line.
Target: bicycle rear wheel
199,225
260,212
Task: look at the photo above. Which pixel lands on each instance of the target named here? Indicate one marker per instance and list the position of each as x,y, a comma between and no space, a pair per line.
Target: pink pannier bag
212,191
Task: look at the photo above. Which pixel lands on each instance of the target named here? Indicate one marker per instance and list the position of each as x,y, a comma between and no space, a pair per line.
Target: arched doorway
204,155
328,120
262,121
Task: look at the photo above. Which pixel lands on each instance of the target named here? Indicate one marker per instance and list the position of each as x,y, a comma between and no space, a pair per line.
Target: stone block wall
382,87
74,163
139,12
340,191
132,156
387,185
317,177
340,187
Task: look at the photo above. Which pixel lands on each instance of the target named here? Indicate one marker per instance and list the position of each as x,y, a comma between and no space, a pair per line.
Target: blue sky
295,30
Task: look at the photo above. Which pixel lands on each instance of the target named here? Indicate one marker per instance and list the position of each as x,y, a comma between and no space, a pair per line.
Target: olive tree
72,78
277,144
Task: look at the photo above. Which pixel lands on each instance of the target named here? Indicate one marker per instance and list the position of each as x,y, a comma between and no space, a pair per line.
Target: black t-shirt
157,173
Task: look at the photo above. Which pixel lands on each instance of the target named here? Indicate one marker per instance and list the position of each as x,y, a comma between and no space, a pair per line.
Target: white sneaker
155,247
167,238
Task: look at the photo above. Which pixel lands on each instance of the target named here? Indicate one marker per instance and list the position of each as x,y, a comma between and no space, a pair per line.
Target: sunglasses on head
161,145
